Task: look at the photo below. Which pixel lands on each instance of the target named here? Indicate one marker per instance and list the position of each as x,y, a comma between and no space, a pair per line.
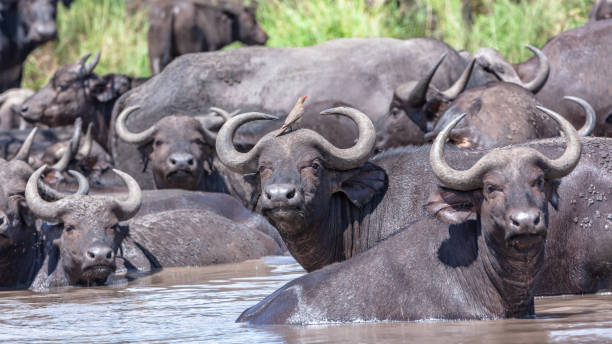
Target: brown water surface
201,304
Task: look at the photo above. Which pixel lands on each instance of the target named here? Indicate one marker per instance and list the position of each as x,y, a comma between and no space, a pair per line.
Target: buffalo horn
128,136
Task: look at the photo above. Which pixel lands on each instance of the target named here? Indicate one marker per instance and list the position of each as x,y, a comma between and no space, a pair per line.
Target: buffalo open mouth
525,242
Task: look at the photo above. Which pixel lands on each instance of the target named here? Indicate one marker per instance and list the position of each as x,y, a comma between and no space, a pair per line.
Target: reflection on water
201,304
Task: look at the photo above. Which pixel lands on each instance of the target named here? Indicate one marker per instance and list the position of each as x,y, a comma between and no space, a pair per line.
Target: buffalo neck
511,273
19,264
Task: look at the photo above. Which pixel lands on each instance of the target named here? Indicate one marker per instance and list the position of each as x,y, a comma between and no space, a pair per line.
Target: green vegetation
506,25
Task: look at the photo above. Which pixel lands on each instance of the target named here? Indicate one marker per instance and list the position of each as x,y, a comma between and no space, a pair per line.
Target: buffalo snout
99,254
525,227
282,196
182,162
43,32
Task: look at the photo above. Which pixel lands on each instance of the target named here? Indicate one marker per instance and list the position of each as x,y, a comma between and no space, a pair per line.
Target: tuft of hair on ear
453,207
552,193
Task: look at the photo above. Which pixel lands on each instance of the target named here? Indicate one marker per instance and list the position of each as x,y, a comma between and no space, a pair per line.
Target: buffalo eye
198,142
539,182
315,165
158,143
69,228
262,169
492,188
395,112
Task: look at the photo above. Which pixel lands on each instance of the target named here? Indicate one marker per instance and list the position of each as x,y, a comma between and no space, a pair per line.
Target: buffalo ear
99,89
28,218
361,184
453,207
552,194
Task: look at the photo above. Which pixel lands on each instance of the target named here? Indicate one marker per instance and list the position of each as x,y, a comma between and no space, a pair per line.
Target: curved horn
85,148
540,79
223,113
83,60
419,92
88,68
346,159
452,92
53,194
455,179
24,151
70,151
589,123
563,165
126,135
234,160
41,208
211,136
125,209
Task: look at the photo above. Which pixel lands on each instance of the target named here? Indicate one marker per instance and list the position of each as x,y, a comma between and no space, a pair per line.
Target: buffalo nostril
515,223
109,255
536,221
190,162
24,108
268,196
91,255
291,194
172,161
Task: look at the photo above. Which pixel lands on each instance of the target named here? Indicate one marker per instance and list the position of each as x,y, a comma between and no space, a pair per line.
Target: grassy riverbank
506,25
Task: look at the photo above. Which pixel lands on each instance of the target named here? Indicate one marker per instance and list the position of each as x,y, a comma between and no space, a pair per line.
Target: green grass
91,26
506,25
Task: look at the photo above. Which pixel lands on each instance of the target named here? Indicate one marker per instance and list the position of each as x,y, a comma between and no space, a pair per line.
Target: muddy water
198,305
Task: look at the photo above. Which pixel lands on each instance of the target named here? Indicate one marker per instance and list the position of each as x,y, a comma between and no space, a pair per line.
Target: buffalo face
83,230
177,153
509,188
70,93
300,173
88,242
250,32
38,19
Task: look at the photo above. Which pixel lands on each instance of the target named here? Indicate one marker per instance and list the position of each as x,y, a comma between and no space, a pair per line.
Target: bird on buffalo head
294,117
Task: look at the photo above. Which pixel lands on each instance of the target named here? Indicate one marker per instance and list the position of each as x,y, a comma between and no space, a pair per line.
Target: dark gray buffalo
483,268
188,26
327,203
181,151
501,114
271,79
75,91
573,72
418,105
602,9
24,25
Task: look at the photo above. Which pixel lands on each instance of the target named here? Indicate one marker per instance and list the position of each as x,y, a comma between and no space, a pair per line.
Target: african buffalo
417,105
199,238
327,203
24,25
181,150
271,79
13,97
190,26
602,9
572,72
482,268
501,114
82,233
75,91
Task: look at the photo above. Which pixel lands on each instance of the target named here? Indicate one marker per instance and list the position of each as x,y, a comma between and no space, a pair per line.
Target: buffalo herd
413,182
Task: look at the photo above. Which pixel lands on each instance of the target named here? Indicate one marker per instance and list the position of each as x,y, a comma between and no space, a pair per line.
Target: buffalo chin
95,275
288,220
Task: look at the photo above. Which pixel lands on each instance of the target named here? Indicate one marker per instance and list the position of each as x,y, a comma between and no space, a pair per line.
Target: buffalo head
37,18
180,148
602,9
249,31
417,106
299,172
72,91
501,114
84,229
509,188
